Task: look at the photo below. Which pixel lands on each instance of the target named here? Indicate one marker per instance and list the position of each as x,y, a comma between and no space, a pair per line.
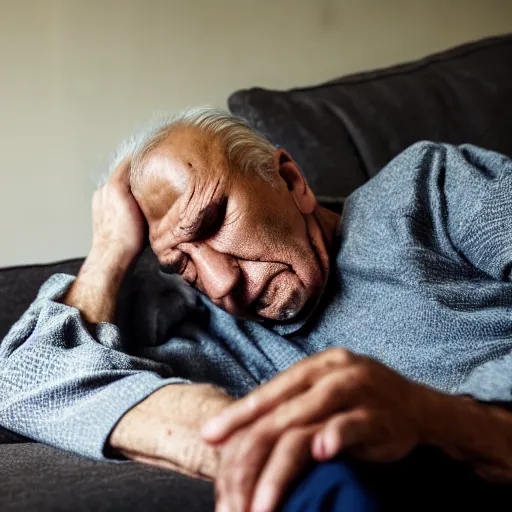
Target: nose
217,273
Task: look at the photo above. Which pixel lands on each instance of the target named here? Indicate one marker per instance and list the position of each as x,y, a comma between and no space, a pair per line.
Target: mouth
281,296
281,299
266,294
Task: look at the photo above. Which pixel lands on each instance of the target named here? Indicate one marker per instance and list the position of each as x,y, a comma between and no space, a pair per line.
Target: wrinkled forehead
181,177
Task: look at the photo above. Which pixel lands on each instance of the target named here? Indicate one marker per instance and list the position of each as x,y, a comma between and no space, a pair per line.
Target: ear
299,189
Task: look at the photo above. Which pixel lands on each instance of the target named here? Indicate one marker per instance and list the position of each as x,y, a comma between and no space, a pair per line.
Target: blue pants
426,480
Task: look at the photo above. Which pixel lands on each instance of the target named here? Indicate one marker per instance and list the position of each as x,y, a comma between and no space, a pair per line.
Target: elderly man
411,287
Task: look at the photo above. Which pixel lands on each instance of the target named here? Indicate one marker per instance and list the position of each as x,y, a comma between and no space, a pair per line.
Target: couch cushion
19,286
344,131
38,478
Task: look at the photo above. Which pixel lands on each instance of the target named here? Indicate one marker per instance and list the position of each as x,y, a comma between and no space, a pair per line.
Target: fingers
251,468
121,174
330,394
341,433
251,407
242,461
290,456
288,384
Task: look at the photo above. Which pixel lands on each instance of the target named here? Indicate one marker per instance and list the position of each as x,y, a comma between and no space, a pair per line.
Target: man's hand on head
118,235
118,224
328,403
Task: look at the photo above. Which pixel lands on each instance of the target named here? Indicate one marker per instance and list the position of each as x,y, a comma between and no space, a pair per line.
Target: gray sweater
420,280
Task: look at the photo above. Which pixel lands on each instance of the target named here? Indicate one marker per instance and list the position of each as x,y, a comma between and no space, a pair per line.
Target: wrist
467,429
104,259
436,422
166,427
95,290
105,269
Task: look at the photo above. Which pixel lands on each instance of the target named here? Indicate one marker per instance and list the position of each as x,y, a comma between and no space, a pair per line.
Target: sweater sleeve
478,195
478,192
65,386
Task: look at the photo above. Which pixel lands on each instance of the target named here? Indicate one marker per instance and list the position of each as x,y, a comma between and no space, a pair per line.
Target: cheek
257,229
258,235
281,230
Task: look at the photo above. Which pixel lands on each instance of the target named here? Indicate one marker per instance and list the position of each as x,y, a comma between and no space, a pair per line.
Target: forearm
63,385
474,432
164,429
95,290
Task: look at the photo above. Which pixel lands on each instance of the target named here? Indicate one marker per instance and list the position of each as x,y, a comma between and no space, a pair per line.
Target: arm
336,401
471,431
171,415
65,379
478,216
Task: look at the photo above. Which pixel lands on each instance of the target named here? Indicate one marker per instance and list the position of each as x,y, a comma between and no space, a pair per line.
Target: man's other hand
328,403
164,429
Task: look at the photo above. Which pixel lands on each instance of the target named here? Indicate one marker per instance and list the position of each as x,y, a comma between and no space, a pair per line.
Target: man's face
241,240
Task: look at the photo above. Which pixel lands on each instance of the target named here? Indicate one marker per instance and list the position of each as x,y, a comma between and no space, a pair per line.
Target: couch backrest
344,131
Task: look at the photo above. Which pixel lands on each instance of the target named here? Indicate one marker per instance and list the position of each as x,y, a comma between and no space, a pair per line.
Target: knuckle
336,381
330,386
338,356
362,374
364,416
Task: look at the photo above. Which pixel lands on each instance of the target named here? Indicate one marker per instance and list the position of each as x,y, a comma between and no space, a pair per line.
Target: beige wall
77,75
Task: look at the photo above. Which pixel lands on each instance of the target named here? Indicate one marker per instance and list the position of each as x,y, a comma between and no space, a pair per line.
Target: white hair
246,150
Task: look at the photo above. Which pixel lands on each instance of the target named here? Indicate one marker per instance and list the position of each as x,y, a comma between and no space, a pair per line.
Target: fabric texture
420,280
344,131
49,357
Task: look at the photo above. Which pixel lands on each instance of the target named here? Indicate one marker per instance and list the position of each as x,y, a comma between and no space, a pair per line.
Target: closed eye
210,220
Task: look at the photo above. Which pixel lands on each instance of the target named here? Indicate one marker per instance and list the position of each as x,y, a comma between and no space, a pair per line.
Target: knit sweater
420,280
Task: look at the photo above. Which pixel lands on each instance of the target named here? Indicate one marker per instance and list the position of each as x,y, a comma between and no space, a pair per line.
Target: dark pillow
343,132
19,286
334,204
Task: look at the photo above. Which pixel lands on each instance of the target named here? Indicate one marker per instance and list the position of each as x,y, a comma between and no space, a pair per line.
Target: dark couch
341,133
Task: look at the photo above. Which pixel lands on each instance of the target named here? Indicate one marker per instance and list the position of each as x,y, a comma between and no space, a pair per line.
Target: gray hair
245,149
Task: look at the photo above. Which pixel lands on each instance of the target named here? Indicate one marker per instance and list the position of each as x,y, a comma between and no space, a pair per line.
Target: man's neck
328,222
322,226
